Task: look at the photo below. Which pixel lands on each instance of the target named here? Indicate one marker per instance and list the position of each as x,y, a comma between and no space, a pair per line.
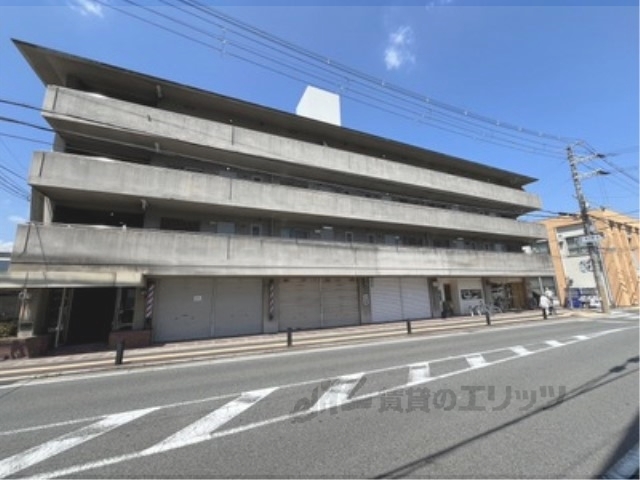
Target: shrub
8,329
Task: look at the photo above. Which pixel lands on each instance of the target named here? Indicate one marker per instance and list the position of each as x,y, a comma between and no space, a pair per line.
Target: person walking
544,305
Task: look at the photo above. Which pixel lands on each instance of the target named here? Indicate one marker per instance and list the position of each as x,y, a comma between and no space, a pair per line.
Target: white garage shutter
182,309
237,306
385,299
415,298
340,304
299,302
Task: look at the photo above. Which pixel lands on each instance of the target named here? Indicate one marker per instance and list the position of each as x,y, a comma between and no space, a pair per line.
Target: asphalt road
537,400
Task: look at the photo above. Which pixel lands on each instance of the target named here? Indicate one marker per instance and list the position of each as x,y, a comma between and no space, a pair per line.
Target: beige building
618,253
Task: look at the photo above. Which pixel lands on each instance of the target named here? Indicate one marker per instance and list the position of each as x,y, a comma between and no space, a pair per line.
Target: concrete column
31,314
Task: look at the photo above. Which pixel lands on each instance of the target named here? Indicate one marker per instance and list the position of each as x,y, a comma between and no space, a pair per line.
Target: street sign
589,240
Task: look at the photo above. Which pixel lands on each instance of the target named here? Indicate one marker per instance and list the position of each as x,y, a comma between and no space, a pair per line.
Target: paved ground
78,360
554,399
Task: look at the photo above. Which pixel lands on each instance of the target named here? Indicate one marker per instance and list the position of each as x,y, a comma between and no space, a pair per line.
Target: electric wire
481,135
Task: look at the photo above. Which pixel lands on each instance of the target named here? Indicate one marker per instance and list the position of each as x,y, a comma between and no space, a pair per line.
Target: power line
489,132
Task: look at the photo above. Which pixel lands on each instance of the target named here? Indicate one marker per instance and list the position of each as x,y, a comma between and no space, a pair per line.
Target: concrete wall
175,253
122,179
145,125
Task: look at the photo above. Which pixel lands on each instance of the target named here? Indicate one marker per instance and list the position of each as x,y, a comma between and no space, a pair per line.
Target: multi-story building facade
177,213
617,252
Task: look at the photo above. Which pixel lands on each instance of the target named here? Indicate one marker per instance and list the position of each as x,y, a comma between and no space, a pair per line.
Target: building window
179,224
371,238
540,247
348,237
576,248
256,230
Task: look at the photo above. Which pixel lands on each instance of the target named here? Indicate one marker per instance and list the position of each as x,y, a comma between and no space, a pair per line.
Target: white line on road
37,454
552,343
233,431
581,337
199,431
142,369
419,373
338,393
476,361
520,350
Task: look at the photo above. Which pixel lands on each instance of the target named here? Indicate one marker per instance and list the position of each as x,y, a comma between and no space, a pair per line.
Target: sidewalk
70,361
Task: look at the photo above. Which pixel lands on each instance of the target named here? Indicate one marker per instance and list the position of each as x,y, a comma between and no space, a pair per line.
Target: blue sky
563,71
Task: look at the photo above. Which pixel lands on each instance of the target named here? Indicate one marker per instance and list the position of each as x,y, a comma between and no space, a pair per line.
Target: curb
203,353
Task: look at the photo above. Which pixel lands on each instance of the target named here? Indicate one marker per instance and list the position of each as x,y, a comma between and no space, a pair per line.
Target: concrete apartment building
618,253
167,213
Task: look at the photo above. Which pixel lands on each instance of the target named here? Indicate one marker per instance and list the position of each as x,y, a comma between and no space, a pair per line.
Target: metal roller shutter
299,302
340,305
183,309
385,299
237,306
415,298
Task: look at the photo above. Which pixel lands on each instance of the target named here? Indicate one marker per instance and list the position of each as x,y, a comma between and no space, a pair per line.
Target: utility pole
589,230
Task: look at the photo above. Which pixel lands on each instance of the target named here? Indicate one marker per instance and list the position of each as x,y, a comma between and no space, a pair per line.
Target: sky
506,86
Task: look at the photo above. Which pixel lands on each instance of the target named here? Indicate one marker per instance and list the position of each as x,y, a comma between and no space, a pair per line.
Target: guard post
119,352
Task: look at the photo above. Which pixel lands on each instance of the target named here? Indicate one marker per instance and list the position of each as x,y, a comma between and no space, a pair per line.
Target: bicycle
482,309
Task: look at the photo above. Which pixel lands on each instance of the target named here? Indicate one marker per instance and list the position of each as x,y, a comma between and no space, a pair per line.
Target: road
543,400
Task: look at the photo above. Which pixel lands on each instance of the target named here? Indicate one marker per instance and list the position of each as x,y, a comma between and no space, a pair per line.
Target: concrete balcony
81,179
80,248
180,134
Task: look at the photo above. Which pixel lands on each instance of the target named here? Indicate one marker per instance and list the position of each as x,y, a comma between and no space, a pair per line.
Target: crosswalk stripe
200,431
37,454
476,360
520,350
554,343
419,373
338,393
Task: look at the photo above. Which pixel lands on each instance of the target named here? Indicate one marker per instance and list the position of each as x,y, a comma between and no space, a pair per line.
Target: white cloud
16,219
399,48
87,7
438,3
6,246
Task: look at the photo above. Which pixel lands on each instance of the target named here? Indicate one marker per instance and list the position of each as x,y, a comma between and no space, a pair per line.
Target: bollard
119,352
409,327
487,316
289,337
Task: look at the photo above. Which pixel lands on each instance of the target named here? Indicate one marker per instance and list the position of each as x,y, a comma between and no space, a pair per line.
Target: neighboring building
5,260
618,254
175,213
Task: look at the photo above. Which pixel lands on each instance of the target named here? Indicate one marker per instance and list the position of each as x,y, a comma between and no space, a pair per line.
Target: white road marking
282,418
201,430
338,393
419,373
476,360
20,461
141,369
520,350
581,337
552,343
